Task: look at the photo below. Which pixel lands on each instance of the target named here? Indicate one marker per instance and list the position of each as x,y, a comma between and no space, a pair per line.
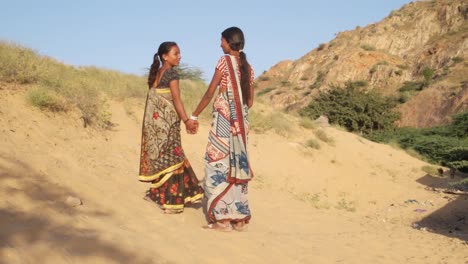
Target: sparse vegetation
411,86
54,86
260,122
321,46
307,123
320,134
265,91
318,80
46,100
457,59
187,72
57,87
431,170
313,143
191,92
368,47
263,78
461,185
403,66
343,204
428,74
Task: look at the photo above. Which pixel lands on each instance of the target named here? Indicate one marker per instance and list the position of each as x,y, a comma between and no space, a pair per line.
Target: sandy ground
351,201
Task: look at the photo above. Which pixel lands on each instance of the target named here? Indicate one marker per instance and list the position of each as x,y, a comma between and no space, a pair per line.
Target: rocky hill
417,53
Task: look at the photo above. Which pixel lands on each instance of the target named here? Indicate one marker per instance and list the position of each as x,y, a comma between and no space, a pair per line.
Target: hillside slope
424,42
351,201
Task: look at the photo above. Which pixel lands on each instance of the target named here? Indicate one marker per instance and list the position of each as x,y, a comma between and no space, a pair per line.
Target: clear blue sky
124,35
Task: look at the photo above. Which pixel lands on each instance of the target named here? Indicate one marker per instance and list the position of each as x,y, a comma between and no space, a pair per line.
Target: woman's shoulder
221,65
172,73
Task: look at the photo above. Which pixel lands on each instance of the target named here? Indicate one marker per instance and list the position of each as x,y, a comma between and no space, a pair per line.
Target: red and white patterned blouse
221,66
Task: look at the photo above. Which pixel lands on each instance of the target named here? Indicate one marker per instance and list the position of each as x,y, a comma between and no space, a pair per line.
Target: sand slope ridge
353,201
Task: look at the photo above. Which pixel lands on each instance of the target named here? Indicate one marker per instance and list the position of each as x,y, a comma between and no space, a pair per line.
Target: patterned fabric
227,165
162,159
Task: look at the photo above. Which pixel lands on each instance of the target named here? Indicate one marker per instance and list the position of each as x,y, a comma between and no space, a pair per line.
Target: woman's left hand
191,126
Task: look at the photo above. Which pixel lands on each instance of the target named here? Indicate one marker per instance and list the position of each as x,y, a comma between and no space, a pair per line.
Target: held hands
191,126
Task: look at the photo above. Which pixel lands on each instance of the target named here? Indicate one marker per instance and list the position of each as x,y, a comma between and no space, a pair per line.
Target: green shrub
260,122
443,145
428,74
368,47
457,59
411,86
46,100
318,80
307,123
263,78
321,46
312,143
320,134
431,170
353,108
265,91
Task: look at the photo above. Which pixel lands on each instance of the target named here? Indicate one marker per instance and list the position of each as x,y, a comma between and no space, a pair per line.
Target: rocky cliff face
425,41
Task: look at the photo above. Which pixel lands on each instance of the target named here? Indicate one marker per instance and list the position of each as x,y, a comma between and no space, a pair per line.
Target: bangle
193,117
185,121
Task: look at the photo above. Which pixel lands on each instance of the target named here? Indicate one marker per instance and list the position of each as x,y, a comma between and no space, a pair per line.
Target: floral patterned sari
162,159
227,165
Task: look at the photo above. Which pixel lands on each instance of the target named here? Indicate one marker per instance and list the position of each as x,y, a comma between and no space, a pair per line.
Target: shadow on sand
450,220
21,229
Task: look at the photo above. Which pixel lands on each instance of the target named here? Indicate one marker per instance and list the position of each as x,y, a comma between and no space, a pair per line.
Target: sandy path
346,203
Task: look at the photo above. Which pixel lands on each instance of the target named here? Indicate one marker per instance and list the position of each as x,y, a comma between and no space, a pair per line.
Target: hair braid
153,70
245,77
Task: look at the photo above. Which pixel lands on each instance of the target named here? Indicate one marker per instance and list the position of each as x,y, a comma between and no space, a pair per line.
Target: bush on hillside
354,108
444,145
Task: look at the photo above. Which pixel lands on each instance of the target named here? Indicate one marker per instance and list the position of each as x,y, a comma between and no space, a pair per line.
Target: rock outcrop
424,41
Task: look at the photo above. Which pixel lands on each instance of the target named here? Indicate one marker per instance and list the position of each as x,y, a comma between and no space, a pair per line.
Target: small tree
354,108
428,74
189,73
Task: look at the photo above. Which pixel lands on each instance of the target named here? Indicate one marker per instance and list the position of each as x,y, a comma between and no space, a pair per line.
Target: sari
227,166
162,159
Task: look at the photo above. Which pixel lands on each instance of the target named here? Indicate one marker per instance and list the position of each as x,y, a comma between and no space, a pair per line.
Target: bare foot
219,226
240,226
147,198
172,211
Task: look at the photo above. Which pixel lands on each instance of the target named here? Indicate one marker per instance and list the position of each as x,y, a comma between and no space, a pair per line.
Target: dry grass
320,134
58,87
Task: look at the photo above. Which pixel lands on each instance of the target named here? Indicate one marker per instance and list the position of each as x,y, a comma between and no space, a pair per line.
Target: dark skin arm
208,96
190,125
251,99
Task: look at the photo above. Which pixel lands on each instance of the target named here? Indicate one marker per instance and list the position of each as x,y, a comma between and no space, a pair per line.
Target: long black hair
235,38
164,48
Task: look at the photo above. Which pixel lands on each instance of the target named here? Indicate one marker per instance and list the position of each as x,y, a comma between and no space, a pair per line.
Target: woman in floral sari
162,159
227,165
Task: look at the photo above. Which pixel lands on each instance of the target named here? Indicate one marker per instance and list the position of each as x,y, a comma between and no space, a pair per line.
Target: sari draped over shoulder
162,159
227,164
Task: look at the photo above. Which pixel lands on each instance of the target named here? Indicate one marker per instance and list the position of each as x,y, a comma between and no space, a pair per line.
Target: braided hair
235,38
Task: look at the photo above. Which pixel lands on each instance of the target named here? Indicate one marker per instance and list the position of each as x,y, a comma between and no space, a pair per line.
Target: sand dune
351,202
